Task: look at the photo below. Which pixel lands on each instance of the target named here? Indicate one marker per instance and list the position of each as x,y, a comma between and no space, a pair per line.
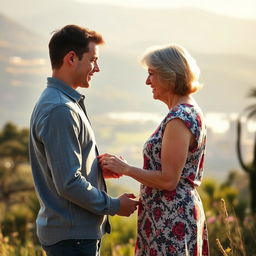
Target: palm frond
239,148
252,93
250,108
251,114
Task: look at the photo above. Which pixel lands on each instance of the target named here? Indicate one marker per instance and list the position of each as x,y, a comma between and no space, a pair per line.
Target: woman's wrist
127,170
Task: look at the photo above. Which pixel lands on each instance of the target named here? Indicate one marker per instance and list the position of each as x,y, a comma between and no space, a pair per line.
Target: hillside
21,67
134,29
225,49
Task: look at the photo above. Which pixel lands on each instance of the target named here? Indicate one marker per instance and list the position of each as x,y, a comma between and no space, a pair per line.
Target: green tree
13,156
249,168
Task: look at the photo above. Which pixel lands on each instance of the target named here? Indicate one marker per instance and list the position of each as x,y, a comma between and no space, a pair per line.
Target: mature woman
171,218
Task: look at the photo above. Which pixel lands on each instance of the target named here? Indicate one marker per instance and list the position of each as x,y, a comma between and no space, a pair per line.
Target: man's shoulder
52,100
52,97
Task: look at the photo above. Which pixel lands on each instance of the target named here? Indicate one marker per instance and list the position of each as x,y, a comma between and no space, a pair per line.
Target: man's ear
70,57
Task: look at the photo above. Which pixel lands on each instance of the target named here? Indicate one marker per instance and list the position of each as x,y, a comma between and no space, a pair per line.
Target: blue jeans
74,247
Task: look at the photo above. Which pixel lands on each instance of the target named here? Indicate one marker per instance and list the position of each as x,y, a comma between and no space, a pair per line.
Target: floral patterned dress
172,223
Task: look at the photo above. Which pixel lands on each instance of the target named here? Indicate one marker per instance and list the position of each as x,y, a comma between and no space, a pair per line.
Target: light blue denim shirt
67,176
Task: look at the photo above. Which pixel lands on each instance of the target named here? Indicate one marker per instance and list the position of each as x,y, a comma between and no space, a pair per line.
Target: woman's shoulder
191,114
186,109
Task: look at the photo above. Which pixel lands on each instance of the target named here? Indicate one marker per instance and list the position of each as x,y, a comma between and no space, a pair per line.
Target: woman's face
159,90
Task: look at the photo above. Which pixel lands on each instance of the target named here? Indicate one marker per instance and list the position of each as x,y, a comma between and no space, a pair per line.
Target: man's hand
127,204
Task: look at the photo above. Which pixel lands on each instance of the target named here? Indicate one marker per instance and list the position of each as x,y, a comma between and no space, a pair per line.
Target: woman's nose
148,81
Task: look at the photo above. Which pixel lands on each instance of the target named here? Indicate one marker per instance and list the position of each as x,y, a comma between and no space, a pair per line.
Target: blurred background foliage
235,228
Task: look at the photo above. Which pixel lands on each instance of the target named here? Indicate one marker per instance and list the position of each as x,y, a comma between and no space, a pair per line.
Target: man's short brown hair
71,38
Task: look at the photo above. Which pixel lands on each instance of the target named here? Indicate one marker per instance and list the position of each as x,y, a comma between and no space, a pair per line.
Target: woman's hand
113,163
107,173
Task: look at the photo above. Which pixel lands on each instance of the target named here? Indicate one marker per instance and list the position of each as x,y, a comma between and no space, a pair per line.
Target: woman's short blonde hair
175,66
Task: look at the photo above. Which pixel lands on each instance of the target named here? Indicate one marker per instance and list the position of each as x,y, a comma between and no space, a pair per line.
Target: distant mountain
17,39
21,57
225,49
132,30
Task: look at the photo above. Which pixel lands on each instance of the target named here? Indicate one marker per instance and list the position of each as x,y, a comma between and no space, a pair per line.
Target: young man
63,153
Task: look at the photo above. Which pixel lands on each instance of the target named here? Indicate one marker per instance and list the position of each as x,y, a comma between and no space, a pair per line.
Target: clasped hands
114,167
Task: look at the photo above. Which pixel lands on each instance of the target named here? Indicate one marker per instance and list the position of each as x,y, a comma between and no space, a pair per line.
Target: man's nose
96,68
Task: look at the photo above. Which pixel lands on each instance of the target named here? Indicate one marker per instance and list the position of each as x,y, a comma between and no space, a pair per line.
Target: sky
237,8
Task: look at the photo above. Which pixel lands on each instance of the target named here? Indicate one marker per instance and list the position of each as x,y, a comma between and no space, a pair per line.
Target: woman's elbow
168,185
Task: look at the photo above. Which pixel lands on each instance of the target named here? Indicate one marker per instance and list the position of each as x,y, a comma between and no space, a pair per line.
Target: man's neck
63,76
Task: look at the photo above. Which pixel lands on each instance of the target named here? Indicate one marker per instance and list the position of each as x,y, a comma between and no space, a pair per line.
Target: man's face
86,67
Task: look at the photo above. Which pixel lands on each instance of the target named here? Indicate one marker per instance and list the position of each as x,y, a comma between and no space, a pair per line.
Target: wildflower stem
220,247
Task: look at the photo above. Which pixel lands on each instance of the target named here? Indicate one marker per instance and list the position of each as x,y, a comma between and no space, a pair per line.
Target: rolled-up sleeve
60,137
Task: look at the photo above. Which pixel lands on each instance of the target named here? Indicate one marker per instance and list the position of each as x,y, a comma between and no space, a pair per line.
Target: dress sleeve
191,118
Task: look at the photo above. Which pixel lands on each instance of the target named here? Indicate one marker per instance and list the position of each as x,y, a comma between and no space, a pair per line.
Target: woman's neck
174,100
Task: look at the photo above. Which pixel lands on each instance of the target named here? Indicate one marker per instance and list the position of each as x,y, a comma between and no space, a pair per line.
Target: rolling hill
224,47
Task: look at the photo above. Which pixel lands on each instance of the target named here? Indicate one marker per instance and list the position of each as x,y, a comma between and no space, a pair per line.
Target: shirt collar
65,88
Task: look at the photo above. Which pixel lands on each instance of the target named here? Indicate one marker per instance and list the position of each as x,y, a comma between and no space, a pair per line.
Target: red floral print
171,222
172,249
148,190
195,250
147,228
180,210
205,248
146,163
153,252
157,214
199,121
140,207
169,195
179,230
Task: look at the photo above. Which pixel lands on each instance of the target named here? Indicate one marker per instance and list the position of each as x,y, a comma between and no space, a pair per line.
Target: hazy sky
237,8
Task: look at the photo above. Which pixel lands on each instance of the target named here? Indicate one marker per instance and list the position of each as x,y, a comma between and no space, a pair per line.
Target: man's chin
87,85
